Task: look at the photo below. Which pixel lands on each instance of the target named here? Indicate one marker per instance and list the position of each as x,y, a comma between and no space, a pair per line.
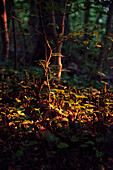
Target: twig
27,25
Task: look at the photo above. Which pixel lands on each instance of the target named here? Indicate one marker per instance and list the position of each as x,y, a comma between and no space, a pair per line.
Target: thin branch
27,25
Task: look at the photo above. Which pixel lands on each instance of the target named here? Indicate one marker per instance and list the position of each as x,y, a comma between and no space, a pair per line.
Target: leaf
22,114
31,143
74,139
86,42
62,145
98,45
83,145
101,74
27,122
55,25
18,100
20,152
96,34
50,137
99,154
90,142
99,139
65,119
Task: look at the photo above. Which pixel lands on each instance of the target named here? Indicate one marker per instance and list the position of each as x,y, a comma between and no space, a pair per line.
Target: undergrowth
66,127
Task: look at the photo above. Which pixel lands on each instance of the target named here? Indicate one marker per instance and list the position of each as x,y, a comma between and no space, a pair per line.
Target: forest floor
65,128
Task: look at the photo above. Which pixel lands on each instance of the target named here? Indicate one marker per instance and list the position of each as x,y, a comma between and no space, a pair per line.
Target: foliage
68,125
65,119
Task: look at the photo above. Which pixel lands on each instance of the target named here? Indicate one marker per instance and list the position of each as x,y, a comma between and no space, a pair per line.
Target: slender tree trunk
56,37
4,30
104,49
86,16
9,8
14,39
59,51
109,18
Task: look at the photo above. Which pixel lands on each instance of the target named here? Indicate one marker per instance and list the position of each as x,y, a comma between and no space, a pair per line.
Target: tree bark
9,8
56,39
86,16
109,19
4,30
59,51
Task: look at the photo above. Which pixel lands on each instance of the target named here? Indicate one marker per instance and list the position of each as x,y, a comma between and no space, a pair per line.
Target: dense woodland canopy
56,84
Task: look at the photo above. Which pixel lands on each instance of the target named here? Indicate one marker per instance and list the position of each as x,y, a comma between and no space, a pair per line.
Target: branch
27,25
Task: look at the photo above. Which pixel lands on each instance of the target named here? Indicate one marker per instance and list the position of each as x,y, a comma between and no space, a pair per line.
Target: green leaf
42,92
55,25
74,139
99,154
50,137
99,139
62,145
31,143
20,152
83,145
90,142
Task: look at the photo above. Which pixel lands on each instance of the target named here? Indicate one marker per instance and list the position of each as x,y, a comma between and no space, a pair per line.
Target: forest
56,84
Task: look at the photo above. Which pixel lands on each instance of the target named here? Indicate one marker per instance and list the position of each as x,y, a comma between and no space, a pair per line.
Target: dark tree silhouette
4,30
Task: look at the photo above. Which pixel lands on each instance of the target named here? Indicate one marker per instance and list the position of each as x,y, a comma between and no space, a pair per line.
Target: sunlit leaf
3,113
22,114
18,100
101,73
104,82
65,119
27,122
86,42
19,111
37,109
11,110
109,103
96,34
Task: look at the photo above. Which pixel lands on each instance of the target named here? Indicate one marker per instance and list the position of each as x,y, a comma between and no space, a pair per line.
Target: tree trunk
109,19
86,16
59,51
9,8
4,30
104,49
